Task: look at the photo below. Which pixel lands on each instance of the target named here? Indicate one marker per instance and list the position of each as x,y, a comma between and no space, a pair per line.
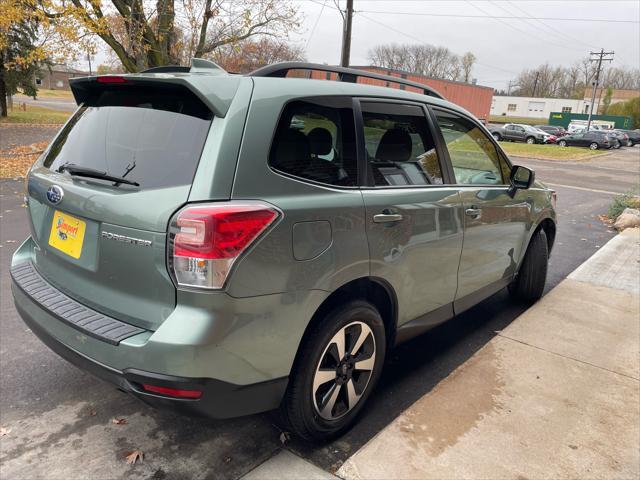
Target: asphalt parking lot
60,418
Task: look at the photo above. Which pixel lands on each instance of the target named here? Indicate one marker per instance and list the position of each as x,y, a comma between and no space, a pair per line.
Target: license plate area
67,234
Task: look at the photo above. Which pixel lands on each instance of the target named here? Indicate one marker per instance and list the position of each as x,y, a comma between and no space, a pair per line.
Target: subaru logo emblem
55,194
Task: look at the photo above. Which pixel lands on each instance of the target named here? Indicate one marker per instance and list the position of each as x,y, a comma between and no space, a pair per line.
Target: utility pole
346,34
535,84
599,57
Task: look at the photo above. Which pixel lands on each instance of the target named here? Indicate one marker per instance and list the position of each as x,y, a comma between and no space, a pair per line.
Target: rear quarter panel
271,266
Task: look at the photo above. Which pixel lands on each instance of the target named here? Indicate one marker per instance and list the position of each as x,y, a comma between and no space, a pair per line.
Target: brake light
209,238
111,79
554,199
173,392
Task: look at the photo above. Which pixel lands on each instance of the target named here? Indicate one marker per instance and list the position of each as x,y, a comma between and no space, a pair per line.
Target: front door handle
473,212
387,217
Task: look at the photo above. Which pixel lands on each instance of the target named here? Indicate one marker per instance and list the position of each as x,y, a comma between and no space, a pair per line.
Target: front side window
315,140
474,157
399,147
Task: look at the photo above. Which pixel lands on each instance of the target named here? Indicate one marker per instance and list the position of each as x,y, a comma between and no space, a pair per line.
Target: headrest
395,146
320,141
292,152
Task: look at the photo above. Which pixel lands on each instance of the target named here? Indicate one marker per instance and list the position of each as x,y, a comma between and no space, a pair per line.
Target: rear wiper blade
79,171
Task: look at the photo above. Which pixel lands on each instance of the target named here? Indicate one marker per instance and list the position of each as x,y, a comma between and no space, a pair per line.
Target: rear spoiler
208,81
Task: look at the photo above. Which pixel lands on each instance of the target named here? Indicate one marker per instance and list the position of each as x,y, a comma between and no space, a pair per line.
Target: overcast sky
502,47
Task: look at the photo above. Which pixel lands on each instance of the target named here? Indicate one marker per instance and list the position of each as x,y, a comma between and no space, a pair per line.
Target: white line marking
583,188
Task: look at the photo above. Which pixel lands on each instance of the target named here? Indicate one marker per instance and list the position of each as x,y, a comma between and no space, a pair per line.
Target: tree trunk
3,89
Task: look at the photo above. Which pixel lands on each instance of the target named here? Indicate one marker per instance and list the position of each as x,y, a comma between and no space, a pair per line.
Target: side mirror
521,178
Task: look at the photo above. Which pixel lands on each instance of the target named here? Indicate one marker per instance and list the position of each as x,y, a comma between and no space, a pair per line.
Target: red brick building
474,98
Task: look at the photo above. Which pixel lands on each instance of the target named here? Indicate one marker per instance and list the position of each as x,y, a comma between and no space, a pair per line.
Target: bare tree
429,60
573,81
467,61
252,54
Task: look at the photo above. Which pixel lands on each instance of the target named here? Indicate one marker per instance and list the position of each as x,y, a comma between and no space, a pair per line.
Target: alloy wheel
593,146
344,370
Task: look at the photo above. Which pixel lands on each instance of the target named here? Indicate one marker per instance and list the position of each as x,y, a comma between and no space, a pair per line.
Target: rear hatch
100,241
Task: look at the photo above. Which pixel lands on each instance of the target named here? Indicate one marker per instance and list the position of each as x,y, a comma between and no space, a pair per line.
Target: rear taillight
554,199
209,238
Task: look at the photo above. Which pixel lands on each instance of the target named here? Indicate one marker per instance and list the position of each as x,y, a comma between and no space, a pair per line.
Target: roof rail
197,65
344,75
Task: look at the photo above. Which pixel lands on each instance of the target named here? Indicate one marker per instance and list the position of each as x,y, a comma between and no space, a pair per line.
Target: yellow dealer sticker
67,234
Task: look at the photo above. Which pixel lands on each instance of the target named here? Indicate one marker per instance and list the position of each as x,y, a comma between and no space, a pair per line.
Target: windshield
153,136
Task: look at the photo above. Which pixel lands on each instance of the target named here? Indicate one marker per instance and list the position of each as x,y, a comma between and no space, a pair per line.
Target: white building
533,107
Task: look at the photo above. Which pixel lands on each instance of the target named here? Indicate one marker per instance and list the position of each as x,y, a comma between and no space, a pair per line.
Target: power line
502,17
522,31
421,40
315,25
561,35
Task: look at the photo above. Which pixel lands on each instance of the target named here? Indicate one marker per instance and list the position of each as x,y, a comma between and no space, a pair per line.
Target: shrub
628,200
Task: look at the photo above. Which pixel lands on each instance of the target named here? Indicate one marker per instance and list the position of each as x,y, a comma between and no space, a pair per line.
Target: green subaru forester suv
230,244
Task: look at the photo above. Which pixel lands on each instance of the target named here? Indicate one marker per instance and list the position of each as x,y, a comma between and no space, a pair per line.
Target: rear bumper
219,399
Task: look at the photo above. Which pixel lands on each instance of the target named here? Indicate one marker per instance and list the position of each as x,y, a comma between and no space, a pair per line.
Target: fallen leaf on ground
119,421
16,161
134,456
227,459
4,431
93,413
285,437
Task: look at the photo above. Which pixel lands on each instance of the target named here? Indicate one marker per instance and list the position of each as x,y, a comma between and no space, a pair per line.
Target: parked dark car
519,133
634,136
553,130
622,137
594,140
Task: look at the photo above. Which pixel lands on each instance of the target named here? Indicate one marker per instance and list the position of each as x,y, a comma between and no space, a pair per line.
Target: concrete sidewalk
554,395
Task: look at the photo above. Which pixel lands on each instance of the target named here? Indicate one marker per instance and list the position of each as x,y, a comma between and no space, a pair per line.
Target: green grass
523,120
44,93
36,115
549,152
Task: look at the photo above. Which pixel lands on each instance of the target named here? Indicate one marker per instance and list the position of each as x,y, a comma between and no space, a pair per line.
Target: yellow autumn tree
152,33
31,40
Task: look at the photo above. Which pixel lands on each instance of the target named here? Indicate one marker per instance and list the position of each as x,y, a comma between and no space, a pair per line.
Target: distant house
537,107
57,78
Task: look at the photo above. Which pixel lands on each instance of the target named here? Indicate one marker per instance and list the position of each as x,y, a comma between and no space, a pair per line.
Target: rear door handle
473,212
387,217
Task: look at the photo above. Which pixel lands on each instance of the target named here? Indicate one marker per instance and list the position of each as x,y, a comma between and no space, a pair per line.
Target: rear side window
315,140
153,136
399,147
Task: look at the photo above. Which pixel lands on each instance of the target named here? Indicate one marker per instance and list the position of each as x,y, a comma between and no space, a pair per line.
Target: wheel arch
375,290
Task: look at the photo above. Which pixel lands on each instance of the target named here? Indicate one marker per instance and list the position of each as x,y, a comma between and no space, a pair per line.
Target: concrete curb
554,395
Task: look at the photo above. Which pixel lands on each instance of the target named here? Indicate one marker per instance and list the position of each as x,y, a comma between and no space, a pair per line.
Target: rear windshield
153,136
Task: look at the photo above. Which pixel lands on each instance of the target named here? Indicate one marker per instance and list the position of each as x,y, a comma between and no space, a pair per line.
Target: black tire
497,136
530,140
529,283
629,143
298,408
594,146
562,143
